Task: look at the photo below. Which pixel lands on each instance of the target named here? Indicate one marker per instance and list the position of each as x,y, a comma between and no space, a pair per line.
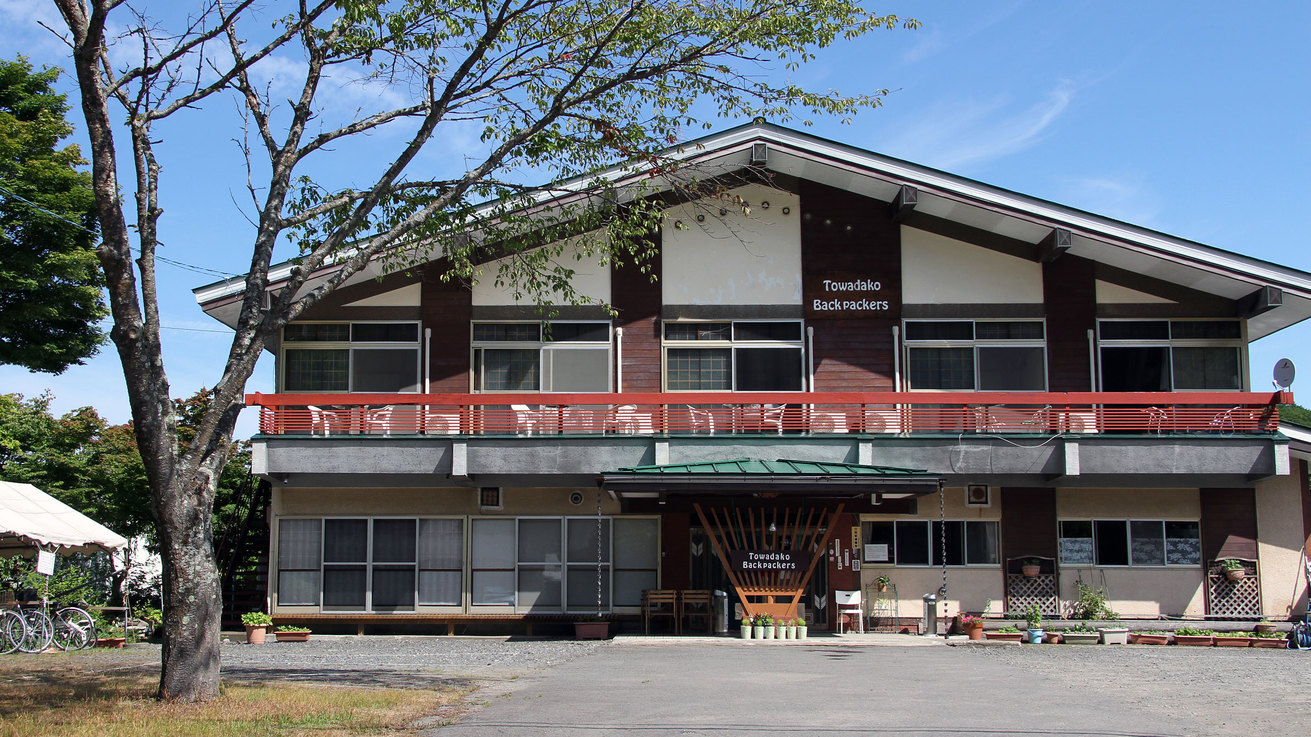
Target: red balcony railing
711,413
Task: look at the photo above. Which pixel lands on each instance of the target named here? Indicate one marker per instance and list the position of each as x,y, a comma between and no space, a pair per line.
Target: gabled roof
953,198
781,467
749,475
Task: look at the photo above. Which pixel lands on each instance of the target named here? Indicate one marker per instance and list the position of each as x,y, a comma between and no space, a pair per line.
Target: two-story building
851,367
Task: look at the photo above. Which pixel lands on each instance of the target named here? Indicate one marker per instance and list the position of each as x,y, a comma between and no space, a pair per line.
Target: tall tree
50,285
552,89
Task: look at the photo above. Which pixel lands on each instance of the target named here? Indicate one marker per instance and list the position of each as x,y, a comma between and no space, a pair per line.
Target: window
1130,543
743,355
441,561
1170,355
547,357
351,357
920,542
969,355
299,550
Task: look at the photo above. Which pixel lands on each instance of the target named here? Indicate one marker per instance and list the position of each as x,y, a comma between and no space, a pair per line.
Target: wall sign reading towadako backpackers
769,560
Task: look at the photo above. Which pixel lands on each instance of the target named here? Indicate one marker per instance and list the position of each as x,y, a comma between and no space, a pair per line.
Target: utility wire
79,226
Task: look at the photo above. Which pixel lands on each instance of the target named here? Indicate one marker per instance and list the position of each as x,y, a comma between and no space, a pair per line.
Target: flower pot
1265,627
111,642
255,634
746,632
973,631
769,631
1149,638
780,632
292,636
802,632
881,587
1194,640
1229,641
1271,642
1051,638
1033,635
758,632
1081,638
1004,636
1030,571
1235,574
1114,635
792,632
591,630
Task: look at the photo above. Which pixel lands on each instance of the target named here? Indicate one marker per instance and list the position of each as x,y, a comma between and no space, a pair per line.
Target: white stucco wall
1279,545
591,279
940,270
734,259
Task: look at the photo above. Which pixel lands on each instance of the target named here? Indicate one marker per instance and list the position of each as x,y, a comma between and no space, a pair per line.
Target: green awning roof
739,475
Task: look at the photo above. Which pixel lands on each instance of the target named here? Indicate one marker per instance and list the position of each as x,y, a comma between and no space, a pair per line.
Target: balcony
764,414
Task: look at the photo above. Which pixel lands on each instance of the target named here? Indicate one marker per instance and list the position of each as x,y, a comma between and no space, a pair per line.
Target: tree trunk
192,602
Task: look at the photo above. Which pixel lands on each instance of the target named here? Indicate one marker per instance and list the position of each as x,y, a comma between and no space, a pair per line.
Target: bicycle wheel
74,629
39,631
12,631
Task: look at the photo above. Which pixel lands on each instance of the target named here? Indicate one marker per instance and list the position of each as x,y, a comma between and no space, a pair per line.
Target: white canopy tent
32,519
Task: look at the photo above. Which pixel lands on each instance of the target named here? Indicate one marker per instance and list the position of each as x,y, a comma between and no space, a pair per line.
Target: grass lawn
96,694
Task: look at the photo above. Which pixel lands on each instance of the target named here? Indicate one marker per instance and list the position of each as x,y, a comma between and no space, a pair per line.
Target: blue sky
1192,119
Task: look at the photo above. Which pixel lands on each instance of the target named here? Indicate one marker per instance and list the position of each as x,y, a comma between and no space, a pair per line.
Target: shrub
1091,604
256,619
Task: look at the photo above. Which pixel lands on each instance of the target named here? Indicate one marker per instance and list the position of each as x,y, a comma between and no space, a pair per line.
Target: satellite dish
1284,373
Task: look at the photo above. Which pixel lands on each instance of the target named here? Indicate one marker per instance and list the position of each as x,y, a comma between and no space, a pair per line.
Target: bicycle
70,628
13,630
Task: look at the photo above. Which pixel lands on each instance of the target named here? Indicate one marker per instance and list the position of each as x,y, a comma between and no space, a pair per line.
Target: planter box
1004,636
1115,635
591,630
1221,641
292,636
1081,638
1194,640
1271,642
111,642
1150,638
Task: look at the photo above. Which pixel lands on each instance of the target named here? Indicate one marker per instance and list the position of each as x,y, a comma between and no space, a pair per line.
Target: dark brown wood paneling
446,309
847,233
675,542
1069,290
1028,522
637,300
1228,524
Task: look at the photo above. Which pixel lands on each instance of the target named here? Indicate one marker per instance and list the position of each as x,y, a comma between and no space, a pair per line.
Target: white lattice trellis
1023,592
1240,598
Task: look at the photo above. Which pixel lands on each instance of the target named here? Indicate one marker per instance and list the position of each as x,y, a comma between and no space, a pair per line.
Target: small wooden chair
694,605
660,603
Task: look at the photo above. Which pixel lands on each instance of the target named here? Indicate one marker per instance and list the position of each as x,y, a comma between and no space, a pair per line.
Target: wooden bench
362,621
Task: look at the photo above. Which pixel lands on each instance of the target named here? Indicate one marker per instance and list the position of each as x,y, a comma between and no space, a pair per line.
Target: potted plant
971,626
801,629
746,628
1191,636
1033,618
1114,635
110,634
758,627
1081,634
1265,627
780,629
791,629
1031,567
1149,637
257,626
1091,604
769,626
1233,639
882,583
1005,634
1233,569
292,633
592,628
1269,639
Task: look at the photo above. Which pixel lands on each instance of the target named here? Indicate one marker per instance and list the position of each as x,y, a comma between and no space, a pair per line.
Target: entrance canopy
31,518
816,479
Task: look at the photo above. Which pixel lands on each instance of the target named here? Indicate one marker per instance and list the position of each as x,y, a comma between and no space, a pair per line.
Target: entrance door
708,573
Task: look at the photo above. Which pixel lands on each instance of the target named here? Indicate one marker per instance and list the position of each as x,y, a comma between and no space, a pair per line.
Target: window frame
350,346
1128,523
930,543
732,344
1238,345
542,346
974,343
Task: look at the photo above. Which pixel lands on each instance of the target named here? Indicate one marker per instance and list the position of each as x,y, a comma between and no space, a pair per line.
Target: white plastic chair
629,421
379,418
702,419
525,419
321,418
849,602
772,414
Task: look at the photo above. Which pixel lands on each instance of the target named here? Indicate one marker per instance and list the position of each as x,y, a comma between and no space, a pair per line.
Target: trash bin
930,615
721,612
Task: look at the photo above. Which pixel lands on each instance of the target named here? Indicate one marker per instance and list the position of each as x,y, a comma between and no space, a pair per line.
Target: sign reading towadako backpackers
769,560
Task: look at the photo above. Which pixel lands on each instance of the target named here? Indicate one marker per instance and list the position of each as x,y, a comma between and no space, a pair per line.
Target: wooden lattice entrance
768,554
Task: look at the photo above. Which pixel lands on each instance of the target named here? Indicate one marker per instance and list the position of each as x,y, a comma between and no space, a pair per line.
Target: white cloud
957,134
1125,197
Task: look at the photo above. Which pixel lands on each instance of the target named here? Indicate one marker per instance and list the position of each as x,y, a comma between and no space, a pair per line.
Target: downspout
810,356
427,360
1092,362
619,360
896,358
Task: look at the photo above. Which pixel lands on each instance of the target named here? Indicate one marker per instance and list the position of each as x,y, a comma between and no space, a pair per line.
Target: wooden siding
675,552
637,300
1228,524
1070,296
1028,522
447,308
851,354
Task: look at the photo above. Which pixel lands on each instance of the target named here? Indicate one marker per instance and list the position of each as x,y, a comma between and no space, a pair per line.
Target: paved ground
858,685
